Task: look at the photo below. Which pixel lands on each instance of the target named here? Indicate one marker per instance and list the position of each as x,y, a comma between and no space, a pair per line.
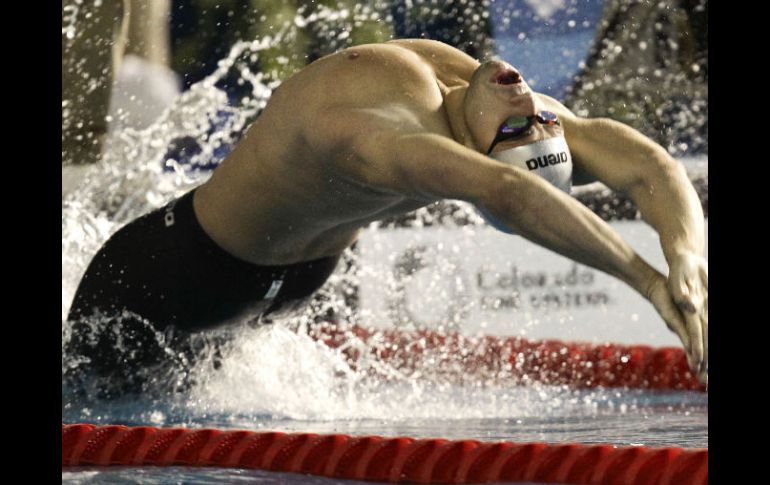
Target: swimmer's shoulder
449,63
364,76
386,60
389,65
369,88
429,48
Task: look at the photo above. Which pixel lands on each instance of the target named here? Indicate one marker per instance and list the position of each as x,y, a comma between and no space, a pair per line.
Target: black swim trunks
164,268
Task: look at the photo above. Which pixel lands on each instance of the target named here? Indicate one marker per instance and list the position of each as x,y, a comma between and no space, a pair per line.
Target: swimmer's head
497,91
507,123
548,158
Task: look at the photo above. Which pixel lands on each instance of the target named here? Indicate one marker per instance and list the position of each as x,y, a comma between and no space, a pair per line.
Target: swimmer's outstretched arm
629,162
433,167
430,166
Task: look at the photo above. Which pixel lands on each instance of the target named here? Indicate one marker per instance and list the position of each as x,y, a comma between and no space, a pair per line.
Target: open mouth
507,76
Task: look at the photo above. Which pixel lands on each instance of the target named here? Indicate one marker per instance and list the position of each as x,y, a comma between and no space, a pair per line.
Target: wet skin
378,130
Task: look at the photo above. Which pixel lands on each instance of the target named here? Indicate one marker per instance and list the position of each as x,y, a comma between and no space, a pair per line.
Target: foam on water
278,378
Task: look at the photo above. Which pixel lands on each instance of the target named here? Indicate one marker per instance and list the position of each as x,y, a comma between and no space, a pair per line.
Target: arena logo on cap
544,161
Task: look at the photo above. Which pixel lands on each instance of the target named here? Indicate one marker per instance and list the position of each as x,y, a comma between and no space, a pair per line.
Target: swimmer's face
497,91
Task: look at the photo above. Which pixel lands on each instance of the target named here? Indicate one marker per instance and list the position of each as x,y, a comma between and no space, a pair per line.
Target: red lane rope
578,365
383,459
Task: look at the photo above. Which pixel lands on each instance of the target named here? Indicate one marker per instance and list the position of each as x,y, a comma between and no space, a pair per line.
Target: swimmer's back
279,197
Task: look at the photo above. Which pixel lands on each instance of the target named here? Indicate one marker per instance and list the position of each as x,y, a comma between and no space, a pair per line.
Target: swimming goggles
517,126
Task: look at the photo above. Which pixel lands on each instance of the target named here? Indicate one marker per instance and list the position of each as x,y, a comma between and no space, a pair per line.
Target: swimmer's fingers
684,291
688,282
687,295
703,376
660,297
694,323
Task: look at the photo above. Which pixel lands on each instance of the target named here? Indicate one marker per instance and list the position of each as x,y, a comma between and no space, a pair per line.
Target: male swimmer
379,130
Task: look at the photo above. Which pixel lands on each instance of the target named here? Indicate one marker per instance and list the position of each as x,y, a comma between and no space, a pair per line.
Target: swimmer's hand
688,283
682,302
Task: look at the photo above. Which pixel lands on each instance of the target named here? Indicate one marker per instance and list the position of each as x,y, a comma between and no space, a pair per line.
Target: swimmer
378,130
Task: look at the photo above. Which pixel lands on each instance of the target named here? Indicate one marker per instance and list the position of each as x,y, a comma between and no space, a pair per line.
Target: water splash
140,173
69,19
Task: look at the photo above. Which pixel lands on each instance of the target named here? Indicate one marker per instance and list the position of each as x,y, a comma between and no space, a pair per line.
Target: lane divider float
383,459
515,359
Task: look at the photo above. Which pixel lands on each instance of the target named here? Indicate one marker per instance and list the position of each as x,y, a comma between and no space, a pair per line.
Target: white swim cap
549,158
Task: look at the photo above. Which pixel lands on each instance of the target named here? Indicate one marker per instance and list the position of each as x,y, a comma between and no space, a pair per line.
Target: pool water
276,378
547,414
